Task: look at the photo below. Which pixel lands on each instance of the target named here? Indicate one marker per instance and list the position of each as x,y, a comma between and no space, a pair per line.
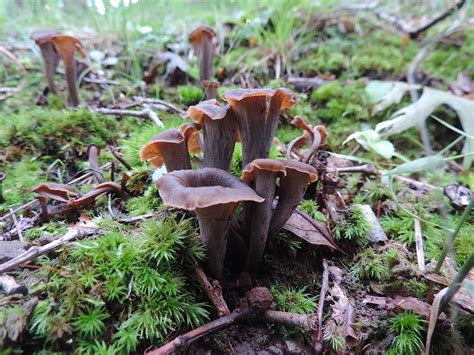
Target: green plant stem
450,240
457,282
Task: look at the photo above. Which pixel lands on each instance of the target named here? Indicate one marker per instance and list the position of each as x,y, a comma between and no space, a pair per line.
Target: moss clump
60,134
333,101
133,288
371,265
353,228
190,95
408,328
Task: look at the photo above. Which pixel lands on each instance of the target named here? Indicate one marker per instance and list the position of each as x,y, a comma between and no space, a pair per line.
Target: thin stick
450,239
184,340
17,226
213,291
145,113
77,231
168,105
18,209
420,254
319,342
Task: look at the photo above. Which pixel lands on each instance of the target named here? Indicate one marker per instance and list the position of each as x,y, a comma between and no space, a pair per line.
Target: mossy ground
131,286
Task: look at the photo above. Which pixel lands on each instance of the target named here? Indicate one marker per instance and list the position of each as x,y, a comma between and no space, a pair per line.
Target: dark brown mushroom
214,195
202,40
57,192
261,174
257,112
93,152
220,132
292,189
171,148
210,88
312,136
91,196
66,46
51,58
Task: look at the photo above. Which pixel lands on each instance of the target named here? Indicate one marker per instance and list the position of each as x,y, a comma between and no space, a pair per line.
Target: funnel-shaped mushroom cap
197,189
168,147
66,46
58,192
220,132
262,175
257,112
292,189
213,194
203,45
43,36
91,196
252,169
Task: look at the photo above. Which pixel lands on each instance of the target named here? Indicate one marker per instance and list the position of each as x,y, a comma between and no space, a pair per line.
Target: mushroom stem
51,61
44,208
176,156
219,142
292,189
210,88
260,215
93,152
213,226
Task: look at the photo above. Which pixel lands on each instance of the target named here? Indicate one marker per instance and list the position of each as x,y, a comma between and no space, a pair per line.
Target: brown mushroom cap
253,168
43,36
91,196
303,168
209,108
195,189
257,112
210,88
213,194
288,99
153,151
50,56
58,192
192,137
198,33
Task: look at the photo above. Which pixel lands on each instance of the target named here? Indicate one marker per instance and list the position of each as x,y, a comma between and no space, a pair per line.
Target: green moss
311,208
190,95
371,265
100,276
353,228
22,176
53,228
408,328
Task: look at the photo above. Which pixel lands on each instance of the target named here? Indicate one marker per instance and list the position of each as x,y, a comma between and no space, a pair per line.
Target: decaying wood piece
76,231
213,291
420,254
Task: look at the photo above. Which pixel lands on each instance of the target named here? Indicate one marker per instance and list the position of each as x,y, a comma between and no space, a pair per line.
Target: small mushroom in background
192,137
51,58
312,136
291,191
93,152
202,40
57,192
220,132
171,148
214,195
210,88
66,47
91,196
262,175
257,112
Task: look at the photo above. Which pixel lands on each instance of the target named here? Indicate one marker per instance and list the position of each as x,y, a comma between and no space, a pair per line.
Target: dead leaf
309,230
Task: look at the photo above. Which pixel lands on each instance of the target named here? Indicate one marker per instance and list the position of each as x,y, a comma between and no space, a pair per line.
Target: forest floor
119,275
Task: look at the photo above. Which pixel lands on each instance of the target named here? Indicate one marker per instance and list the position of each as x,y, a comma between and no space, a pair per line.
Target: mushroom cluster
269,189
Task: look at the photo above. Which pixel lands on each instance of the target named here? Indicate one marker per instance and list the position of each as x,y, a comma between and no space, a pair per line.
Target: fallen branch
9,285
154,101
145,113
79,230
213,291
